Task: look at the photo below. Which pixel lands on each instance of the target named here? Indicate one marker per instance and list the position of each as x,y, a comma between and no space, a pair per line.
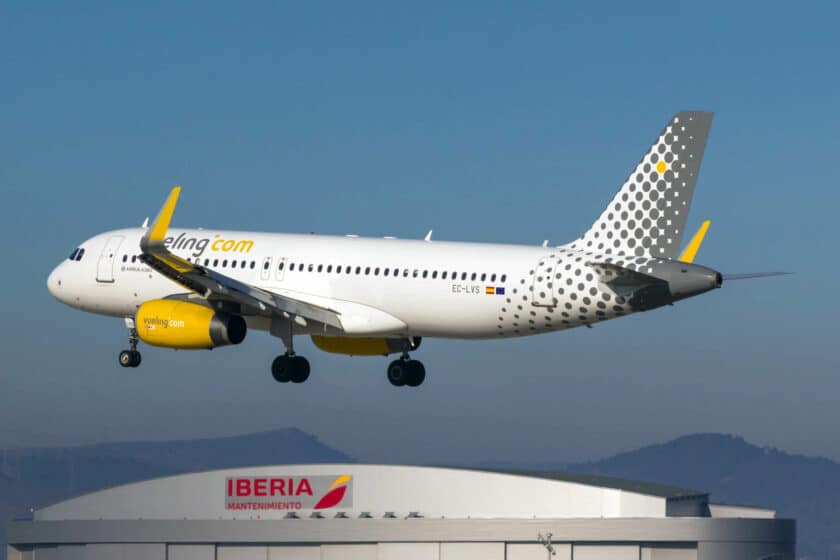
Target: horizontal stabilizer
615,275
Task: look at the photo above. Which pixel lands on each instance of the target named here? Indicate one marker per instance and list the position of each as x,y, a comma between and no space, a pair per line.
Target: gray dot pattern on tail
648,215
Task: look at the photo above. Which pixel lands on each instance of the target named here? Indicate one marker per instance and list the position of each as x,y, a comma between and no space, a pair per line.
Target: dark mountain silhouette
734,471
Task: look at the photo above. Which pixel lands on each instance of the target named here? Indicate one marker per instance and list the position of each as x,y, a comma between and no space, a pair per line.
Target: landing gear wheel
300,369
130,358
399,372
417,373
281,368
287,368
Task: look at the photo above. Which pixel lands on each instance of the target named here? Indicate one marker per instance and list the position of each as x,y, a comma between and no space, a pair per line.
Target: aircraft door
105,266
281,268
543,288
265,272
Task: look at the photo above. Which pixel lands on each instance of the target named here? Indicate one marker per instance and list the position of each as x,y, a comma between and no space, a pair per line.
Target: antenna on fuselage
545,243
145,223
428,236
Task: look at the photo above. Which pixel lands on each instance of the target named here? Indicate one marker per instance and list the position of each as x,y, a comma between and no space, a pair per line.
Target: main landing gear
131,358
406,372
289,367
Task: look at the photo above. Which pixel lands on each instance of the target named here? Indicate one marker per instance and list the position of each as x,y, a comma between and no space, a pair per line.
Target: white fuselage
380,287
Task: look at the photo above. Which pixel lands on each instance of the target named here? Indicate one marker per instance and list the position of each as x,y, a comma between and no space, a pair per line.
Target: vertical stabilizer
647,217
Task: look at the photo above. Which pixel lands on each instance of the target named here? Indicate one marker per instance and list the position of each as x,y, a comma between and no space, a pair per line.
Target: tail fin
647,216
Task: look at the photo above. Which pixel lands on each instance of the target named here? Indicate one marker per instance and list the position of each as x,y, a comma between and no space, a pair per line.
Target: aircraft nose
54,282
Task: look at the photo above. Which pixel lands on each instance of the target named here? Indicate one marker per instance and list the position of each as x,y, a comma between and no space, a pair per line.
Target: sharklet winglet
161,224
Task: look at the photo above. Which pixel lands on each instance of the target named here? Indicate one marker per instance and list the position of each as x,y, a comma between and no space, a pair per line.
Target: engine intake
172,323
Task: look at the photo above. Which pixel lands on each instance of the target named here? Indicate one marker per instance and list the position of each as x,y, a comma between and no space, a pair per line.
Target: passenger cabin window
425,274
253,264
320,268
463,276
233,264
472,277
504,277
376,271
224,263
493,278
367,270
483,276
443,275
329,268
434,274
215,262
385,271
338,269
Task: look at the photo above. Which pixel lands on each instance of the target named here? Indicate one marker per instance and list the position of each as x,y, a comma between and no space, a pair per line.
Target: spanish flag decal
494,290
335,494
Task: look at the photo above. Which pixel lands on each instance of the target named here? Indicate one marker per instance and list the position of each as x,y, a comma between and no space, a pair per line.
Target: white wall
348,552
294,553
606,552
538,552
102,552
408,551
242,553
665,553
191,552
472,551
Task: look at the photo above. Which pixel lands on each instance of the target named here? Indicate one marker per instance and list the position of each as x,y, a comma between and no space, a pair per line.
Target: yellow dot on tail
661,167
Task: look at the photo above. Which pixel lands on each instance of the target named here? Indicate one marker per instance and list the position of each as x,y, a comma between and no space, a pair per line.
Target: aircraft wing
217,287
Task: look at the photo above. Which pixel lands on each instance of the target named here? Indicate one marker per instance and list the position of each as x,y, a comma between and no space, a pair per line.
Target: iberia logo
335,494
261,493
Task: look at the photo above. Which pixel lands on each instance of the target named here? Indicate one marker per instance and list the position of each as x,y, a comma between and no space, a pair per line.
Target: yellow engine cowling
173,323
364,346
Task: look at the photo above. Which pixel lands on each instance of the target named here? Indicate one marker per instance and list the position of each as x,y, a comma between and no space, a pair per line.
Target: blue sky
495,122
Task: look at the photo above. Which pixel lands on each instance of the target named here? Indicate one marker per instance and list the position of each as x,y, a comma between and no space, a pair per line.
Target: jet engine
173,323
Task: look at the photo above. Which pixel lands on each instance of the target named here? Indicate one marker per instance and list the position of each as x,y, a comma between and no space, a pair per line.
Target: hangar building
374,512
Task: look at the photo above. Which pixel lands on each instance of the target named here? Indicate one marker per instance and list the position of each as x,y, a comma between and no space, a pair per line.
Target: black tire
398,372
281,369
417,373
300,369
126,358
135,358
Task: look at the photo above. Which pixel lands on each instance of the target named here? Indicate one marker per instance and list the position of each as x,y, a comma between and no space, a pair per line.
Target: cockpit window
72,256
80,254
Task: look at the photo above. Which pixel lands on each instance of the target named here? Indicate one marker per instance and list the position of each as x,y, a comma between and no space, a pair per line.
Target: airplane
202,289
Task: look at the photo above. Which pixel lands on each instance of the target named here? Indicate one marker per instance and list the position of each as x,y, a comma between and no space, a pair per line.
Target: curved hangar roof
351,490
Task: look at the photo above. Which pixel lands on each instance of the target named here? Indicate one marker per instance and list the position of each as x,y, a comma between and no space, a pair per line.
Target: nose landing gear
131,358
